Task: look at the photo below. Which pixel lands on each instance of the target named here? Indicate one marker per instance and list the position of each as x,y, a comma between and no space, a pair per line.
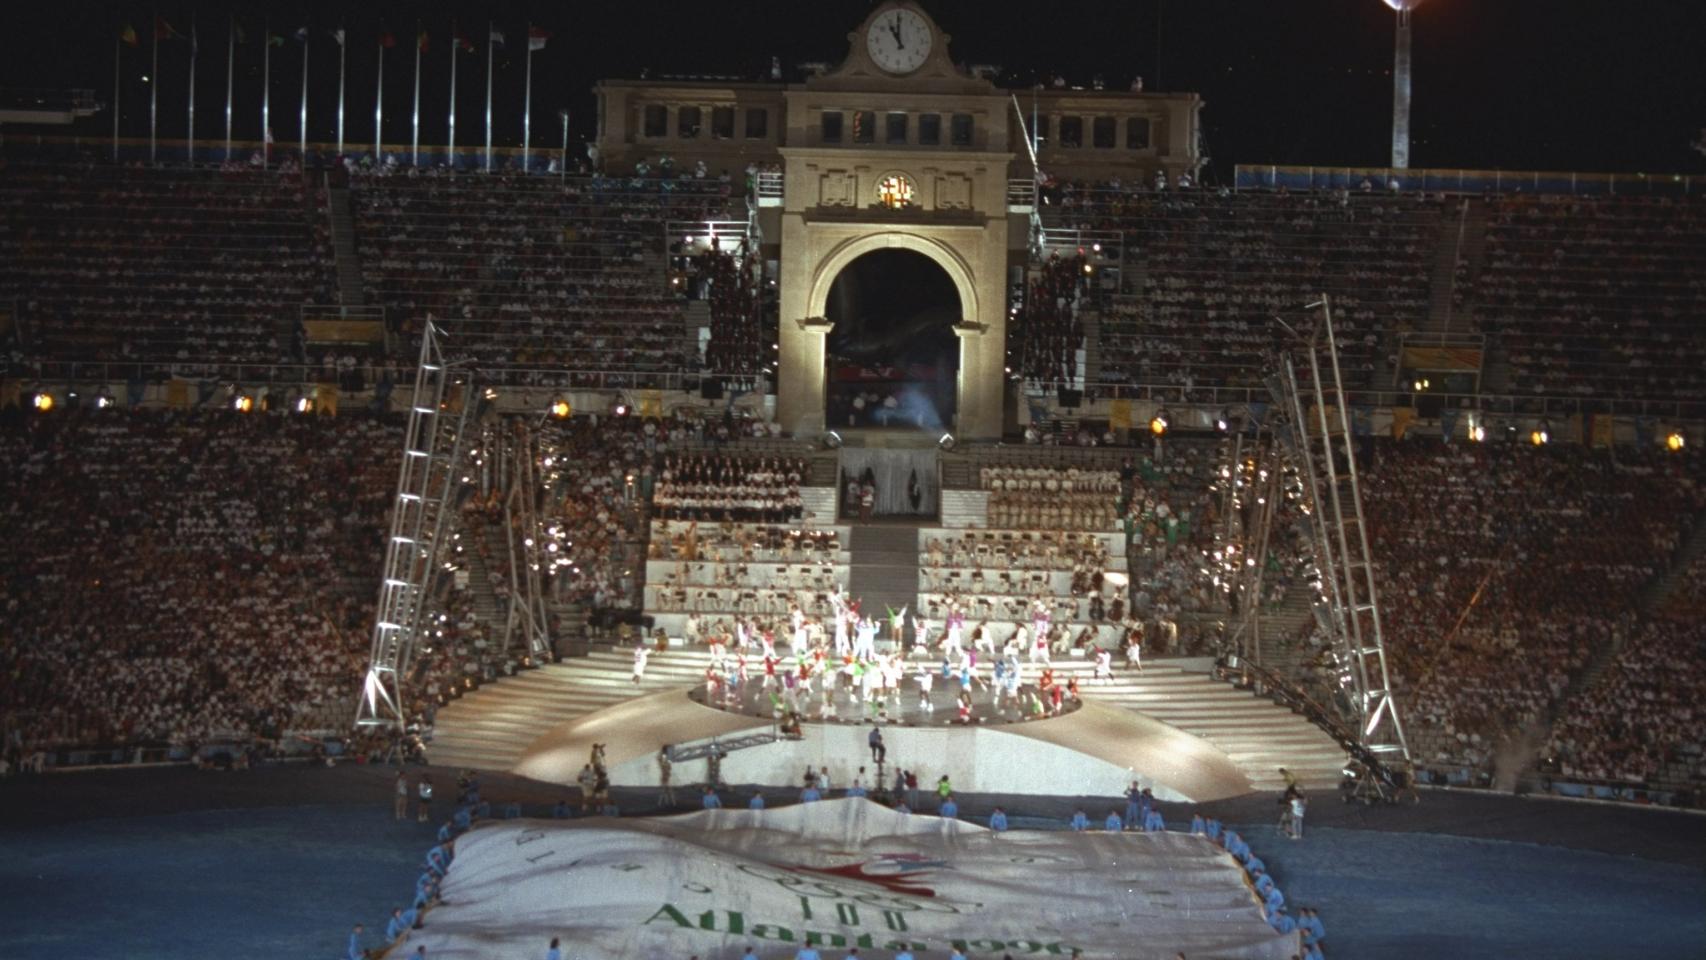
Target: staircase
491,727
695,316
884,570
1655,594
1442,278
352,290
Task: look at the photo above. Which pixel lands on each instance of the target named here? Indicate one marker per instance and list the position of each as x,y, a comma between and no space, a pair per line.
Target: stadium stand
158,567
162,264
563,277
1597,296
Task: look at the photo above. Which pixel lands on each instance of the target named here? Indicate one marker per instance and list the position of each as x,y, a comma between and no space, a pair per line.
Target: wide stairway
490,727
884,571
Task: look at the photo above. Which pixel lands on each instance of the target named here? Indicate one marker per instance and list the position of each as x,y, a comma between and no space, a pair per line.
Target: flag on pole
462,40
164,30
497,36
274,40
387,39
301,34
536,37
128,35
338,35
422,41
242,35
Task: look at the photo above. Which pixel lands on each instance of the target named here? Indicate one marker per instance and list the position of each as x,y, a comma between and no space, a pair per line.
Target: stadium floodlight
1401,84
42,401
560,408
947,442
832,440
243,403
1541,434
1159,423
1675,441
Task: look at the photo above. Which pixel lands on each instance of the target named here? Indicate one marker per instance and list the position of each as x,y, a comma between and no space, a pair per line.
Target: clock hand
894,28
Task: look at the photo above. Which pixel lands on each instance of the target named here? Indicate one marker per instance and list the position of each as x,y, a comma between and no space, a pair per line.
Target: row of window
1104,132
896,128
690,121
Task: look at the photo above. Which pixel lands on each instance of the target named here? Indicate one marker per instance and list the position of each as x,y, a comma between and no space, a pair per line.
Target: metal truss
426,482
1314,428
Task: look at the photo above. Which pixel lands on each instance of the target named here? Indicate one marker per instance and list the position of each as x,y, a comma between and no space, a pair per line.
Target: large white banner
838,874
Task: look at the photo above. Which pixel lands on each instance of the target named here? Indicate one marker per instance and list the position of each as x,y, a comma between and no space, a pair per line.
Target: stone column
982,380
800,379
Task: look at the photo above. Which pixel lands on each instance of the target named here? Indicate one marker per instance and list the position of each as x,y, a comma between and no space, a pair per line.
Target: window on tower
657,120
896,128
723,123
864,126
687,123
831,126
894,191
930,129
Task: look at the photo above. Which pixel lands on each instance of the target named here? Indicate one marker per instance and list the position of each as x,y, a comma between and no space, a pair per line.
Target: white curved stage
1096,750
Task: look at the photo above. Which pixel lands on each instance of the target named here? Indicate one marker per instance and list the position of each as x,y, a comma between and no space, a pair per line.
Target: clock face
899,41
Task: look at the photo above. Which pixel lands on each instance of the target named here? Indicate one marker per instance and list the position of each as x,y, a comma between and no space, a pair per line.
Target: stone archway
972,256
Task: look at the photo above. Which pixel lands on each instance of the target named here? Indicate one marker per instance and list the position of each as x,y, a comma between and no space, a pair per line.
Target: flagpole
343,44
455,48
527,109
118,55
266,92
302,117
488,96
379,109
189,142
415,127
230,71
154,89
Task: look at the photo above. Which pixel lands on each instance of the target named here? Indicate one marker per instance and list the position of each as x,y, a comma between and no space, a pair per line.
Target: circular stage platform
910,704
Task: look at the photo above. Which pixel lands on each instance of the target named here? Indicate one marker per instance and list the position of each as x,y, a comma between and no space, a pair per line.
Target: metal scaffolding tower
1250,500
426,482
527,550
1314,427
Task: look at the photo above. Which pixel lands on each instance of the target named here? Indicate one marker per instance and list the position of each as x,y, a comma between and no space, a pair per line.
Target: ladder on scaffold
1314,426
427,481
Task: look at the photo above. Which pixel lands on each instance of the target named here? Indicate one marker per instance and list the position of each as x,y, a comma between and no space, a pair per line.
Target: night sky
1514,84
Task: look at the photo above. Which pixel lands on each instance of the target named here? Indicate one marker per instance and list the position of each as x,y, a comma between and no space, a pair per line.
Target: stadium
496,485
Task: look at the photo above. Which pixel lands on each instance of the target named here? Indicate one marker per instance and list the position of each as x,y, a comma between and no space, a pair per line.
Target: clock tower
896,148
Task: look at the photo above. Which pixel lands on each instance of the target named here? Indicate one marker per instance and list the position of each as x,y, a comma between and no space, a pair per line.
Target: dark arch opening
893,357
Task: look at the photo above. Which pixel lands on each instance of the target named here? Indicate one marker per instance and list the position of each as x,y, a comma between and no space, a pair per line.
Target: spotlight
832,440
42,401
1477,431
560,408
1541,434
103,401
1159,423
621,409
947,442
1223,422
1675,441
304,404
244,403
490,393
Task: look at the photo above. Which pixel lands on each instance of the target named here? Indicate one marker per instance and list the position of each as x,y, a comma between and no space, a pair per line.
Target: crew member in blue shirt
757,801
1212,829
810,794
1080,822
1198,827
1310,921
1133,815
1113,824
1280,920
997,822
555,953
807,952
950,809
1152,823
355,951
711,800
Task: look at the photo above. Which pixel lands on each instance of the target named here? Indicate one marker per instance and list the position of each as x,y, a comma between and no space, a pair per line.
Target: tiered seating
1048,335
173,578
1215,269
593,517
1502,568
718,571
1598,296
1170,515
565,273
699,487
741,339
1051,498
998,577
159,264
1645,713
